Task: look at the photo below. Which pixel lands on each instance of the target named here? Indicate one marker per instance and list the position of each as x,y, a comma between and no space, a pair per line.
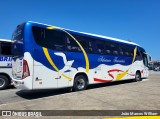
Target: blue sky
134,20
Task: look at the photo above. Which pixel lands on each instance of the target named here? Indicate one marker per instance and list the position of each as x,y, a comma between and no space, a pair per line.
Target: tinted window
83,41
121,50
108,48
17,44
54,39
131,50
49,38
18,33
145,60
38,34
116,50
91,45
5,48
100,47
126,50
72,45
143,56
112,48
138,56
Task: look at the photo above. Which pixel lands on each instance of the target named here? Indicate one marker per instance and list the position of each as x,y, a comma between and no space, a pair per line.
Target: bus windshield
17,38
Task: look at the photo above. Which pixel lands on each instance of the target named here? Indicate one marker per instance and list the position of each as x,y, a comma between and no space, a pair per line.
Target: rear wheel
138,76
80,83
4,82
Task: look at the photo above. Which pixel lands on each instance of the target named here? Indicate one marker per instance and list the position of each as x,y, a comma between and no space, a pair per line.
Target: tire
138,77
4,82
80,83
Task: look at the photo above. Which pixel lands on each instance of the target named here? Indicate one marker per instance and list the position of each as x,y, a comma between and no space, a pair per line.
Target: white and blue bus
5,63
47,57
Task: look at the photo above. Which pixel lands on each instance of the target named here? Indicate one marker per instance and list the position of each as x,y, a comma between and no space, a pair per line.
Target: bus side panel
6,65
103,68
44,77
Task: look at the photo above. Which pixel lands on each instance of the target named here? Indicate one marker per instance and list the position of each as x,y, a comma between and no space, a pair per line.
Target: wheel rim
2,82
80,84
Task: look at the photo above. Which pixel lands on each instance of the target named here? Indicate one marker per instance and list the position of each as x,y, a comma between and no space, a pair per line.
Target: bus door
144,56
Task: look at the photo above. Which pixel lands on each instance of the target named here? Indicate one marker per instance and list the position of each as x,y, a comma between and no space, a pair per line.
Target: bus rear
20,66
31,69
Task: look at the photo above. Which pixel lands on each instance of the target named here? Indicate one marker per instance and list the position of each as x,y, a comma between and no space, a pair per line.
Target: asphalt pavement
122,95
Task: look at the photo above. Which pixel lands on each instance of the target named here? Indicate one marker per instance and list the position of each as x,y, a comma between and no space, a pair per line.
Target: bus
50,57
5,63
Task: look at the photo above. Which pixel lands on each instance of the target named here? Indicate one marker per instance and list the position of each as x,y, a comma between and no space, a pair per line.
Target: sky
134,20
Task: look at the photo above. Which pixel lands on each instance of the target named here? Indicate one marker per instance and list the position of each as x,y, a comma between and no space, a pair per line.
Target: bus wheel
138,76
80,83
4,82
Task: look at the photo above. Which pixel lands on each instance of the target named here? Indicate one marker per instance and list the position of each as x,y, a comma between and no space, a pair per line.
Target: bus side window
49,38
68,42
90,47
143,56
5,48
108,48
38,34
112,48
83,42
131,51
55,39
121,51
127,50
138,56
72,45
127,53
0,48
100,47
116,50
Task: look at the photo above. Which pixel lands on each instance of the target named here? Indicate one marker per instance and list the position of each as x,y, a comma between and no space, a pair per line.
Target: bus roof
5,40
93,35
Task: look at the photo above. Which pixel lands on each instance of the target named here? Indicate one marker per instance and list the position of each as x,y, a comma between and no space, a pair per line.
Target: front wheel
138,76
80,83
4,82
